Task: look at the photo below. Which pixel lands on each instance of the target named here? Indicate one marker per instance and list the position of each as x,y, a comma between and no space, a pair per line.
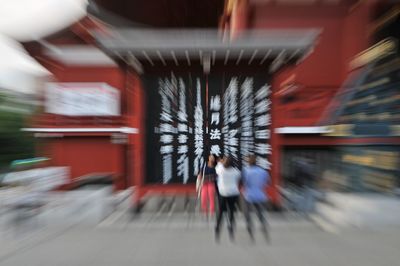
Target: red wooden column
275,157
136,108
239,17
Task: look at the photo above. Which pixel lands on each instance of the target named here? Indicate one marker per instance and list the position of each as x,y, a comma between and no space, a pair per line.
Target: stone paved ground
174,240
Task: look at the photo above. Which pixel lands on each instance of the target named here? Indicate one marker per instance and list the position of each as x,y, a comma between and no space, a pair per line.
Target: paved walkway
171,240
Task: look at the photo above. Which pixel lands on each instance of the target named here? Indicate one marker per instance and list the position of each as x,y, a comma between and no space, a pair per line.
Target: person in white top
218,168
228,187
219,165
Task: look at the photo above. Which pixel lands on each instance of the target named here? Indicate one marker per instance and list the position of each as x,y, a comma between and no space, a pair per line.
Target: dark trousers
258,207
226,205
218,196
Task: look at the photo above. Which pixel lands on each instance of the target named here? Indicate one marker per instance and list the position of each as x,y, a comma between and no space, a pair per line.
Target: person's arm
267,179
242,180
200,175
243,177
200,178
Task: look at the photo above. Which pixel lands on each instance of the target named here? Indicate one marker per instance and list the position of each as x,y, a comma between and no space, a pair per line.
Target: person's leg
259,207
204,198
260,213
220,214
247,215
211,197
217,204
232,201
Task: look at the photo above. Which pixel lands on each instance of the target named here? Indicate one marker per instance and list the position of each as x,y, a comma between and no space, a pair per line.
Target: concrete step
169,204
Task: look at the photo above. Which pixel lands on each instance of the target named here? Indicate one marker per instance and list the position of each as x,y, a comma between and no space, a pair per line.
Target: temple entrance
190,116
198,93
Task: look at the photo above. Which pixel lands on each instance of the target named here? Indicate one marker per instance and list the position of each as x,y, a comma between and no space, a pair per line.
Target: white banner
82,99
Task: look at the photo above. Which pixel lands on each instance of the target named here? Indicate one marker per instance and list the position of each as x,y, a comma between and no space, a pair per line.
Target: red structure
300,92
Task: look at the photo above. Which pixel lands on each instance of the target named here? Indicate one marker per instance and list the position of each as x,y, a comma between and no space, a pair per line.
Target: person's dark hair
215,159
252,159
228,162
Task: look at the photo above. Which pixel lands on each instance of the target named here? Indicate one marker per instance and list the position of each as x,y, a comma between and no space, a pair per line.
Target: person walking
228,186
255,181
218,167
206,186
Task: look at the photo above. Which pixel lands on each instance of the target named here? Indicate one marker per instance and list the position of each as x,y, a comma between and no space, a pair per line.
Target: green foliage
14,144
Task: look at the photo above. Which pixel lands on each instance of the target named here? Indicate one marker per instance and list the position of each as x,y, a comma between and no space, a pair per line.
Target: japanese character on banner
263,92
263,148
233,118
198,138
215,134
216,150
183,149
167,128
166,117
262,134
246,115
233,152
166,149
246,100
246,148
247,88
232,102
225,128
232,133
263,120
182,139
183,167
166,139
167,168
226,108
182,115
247,126
263,106
263,162
198,131
247,133
198,150
182,127
232,141
215,103
215,118
166,96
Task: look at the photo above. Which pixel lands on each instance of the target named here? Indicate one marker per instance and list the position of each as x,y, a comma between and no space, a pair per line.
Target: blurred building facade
317,91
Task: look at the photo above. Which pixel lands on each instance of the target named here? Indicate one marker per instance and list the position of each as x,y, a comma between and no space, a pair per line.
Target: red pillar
275,158
136,109
239,17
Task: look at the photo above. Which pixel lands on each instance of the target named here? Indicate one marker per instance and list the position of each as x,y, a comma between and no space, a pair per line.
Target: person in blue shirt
255,181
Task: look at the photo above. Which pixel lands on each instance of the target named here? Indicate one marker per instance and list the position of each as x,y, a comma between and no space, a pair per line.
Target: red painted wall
355,33
86,155
323,67
320,75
